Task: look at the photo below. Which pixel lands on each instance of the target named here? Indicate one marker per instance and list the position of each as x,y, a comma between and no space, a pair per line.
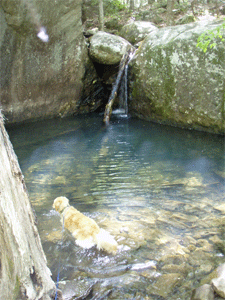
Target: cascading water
123,96
123,90
115,89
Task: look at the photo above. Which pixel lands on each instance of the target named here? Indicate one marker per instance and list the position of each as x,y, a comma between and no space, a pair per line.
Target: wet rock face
108,49
176,83
41,79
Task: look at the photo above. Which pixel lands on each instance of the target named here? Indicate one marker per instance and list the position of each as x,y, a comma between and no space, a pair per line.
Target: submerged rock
176,83
217,281
106,48
76,288
221,208
165,284
204,292
142,266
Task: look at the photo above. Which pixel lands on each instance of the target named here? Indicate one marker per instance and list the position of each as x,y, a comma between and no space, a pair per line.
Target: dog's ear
54,205
57,203
60,203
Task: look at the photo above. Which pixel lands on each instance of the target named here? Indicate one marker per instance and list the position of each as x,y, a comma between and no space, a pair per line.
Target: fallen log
112,97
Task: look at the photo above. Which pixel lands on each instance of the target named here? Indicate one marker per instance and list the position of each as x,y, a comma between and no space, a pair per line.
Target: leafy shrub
113,6
209,37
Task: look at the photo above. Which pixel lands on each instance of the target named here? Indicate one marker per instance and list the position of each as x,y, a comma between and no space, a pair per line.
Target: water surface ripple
158,190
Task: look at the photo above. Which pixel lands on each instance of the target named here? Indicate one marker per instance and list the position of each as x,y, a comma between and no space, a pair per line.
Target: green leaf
208,38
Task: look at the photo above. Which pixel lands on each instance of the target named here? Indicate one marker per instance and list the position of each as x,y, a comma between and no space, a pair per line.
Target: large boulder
108,49
174,82
40,79
136,31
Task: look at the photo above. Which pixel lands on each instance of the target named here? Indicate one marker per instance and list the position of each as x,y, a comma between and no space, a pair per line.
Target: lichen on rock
174,82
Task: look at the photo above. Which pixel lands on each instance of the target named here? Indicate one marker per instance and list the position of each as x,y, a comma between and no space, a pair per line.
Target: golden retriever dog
85,230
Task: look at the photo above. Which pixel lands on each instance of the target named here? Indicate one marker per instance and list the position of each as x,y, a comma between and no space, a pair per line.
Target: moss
172,82
17,284
17,292
67,108
135,91
163,111
156,92
10,267
223,114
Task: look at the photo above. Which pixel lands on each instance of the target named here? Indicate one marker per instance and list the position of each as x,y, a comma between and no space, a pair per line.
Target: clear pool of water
159,190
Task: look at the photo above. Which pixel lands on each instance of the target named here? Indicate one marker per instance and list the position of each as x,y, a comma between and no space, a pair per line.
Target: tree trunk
170,17
23,270
141,4
101,15
131,5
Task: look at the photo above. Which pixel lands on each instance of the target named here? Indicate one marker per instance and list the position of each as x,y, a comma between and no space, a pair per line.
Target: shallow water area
158,190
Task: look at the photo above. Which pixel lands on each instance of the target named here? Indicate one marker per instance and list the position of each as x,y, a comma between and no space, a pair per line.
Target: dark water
158,190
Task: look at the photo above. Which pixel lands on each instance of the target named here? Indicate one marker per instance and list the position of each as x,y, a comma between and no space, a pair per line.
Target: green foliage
113,6
118,5
16,292
208,38
94,2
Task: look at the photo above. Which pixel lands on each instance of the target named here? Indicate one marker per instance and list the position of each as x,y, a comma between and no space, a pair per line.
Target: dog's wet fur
84,229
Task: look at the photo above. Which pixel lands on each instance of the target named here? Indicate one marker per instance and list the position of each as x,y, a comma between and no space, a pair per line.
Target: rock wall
37,79
173,82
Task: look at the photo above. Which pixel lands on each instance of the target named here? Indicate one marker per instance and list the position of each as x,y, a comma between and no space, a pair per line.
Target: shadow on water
158,190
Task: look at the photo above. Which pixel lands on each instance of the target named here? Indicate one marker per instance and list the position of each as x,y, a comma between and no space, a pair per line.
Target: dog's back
85,230
75,221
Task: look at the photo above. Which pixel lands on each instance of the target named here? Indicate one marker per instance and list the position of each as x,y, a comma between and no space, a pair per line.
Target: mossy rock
174,82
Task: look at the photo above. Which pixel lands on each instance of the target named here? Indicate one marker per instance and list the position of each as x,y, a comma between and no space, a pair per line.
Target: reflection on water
158,190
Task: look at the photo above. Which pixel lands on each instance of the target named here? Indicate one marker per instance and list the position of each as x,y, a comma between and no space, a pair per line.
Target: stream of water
158,190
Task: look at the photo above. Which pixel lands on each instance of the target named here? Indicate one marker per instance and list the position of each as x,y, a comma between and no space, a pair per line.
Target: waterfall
126,88
123,92
121,78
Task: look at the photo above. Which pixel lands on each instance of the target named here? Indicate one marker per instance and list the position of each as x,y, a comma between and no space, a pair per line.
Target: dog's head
60,203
